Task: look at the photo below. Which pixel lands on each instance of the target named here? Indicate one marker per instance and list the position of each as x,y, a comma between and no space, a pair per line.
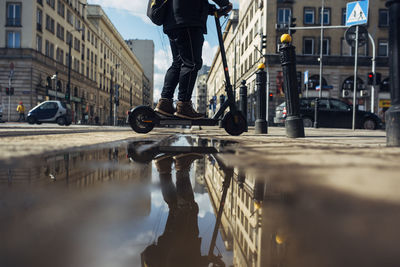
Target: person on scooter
185,25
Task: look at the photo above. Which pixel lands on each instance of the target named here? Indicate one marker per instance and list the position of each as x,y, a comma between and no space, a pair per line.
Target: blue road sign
306,77
357,13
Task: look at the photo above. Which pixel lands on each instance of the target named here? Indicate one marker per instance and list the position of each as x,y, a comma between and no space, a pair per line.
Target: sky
129,18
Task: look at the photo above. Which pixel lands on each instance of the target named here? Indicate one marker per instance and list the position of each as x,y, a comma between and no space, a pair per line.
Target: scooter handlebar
223,11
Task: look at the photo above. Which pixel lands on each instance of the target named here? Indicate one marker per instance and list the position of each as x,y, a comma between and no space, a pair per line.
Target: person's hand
225,9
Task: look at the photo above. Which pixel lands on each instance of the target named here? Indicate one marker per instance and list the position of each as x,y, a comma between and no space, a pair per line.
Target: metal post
294,123
374,72
111,98
355,80
392,116
55,80
68,91
321,49
243,100
9,96
261,126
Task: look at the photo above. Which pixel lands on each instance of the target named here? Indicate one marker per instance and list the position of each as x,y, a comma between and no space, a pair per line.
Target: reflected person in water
180,244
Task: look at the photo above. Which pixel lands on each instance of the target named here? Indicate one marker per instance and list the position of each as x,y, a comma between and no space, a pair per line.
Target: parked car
50,111
333,113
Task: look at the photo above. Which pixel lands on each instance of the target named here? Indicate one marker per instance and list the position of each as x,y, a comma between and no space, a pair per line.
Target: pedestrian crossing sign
357,13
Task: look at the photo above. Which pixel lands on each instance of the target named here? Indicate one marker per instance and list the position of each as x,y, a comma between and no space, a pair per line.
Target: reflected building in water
241,222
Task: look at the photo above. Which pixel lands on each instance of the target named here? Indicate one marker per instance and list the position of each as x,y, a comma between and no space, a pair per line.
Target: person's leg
190,44
165,104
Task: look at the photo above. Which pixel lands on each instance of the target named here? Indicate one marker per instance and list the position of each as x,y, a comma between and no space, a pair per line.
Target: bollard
392,116
294,123
261,126
243,100
316,103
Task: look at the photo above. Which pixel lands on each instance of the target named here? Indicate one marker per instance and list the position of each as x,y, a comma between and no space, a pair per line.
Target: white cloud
137,7
208,53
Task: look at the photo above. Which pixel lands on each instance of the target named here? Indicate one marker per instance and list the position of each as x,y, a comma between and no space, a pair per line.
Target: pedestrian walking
185,25
21,111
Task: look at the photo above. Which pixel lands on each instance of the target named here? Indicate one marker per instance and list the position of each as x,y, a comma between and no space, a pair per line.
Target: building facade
38,37
144,50
271,19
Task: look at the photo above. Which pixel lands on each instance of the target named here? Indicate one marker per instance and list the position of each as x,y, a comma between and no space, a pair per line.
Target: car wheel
307,122
31,120
369,124
60,121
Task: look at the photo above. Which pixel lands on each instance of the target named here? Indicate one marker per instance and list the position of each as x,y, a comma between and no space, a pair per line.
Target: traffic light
370,78
263,41
10,91
271,97
292,24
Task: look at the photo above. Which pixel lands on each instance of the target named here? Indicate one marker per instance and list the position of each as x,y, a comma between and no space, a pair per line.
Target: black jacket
188,13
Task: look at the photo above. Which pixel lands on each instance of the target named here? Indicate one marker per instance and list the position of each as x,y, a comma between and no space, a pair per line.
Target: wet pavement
185,201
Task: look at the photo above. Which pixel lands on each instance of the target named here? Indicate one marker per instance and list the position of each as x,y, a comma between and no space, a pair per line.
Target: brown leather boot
165,107
185,110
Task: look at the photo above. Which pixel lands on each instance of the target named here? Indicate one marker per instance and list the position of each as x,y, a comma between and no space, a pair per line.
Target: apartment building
144,50
272,17
38,37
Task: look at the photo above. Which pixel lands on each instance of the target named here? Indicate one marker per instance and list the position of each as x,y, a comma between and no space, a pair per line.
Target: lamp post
116,95
111,97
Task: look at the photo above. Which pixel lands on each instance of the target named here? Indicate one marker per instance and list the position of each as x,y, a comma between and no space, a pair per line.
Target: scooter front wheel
234,124
142,119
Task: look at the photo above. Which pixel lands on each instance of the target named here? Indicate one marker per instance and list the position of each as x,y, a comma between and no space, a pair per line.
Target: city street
104,196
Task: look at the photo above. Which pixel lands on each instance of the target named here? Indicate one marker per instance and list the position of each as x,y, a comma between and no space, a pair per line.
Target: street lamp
116,95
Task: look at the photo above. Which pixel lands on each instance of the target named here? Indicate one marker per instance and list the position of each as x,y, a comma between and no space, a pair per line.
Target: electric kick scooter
143,119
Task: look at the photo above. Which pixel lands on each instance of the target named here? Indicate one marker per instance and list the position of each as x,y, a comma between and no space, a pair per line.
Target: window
13,39
60,55
51,3
77,44
49,24
327,16
338,105
60,32
60,8
39,43
308,46
40,2
383,18
13,14
326,49
70,17
309,15
283,15
344,13
39,19
69,38
383,48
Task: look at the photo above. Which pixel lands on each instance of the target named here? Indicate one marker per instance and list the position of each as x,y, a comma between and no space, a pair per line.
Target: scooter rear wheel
234,124
141,119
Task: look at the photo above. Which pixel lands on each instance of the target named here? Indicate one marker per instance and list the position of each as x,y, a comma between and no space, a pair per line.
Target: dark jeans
186,47
21,117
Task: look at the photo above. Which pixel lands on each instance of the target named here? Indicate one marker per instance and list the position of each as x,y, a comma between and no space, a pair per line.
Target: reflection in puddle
107,207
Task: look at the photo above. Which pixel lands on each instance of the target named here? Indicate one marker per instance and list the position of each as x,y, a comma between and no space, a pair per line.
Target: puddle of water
111,206
154,203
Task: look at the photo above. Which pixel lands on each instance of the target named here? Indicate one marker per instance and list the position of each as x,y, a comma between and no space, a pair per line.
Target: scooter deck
165,120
